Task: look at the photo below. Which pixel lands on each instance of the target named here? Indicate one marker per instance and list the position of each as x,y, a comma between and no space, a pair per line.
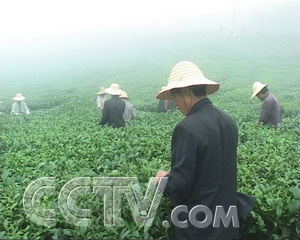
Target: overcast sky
49,37
28,19
42,27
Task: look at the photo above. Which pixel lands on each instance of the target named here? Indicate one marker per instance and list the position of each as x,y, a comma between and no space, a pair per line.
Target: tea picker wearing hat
113,109
165,105
271,112
101,98
19,106
129,112
203,153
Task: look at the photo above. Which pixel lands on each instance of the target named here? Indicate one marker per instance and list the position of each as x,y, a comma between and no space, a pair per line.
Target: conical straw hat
114,90
257,87
124,95
19,97
186,74
163,88
102,90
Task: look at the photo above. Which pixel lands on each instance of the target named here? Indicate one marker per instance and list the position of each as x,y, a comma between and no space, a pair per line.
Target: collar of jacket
267,95
198,105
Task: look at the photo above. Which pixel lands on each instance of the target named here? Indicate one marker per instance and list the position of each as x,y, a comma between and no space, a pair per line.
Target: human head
124,95
262,94
187,84
185,98
102,91
259,90
19,97
114,90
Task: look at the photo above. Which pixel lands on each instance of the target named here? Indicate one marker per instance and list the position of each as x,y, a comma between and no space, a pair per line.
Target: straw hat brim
113,92
258,90
19,98
101,92
211,87
124,97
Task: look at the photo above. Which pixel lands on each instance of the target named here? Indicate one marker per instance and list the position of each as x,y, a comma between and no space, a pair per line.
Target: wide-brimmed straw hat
257,87
102,91
186,74
114,90
163,88
19,97
124,95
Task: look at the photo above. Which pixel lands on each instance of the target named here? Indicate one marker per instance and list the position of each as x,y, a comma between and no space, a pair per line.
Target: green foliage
62,139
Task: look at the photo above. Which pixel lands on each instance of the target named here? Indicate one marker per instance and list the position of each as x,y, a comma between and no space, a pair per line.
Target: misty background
46,43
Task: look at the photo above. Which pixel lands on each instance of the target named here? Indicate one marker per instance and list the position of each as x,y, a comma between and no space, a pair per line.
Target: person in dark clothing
113,109
203,154
166,105
271,113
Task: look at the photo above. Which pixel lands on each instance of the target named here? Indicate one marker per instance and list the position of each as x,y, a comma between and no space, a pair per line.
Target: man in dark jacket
166,105
113,109
271,111
204,150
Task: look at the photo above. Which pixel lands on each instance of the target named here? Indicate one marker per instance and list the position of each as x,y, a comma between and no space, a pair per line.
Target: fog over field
58,53
70,41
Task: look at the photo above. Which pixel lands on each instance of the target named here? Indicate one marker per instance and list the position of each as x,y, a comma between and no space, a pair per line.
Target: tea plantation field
62,139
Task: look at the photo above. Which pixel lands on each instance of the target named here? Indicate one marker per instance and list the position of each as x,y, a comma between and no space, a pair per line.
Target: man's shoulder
226,119
206,115
113,100
192,123
128,104
200,121
225,115
271,98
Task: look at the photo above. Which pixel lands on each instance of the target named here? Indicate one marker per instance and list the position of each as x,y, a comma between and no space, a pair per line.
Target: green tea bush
62,139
